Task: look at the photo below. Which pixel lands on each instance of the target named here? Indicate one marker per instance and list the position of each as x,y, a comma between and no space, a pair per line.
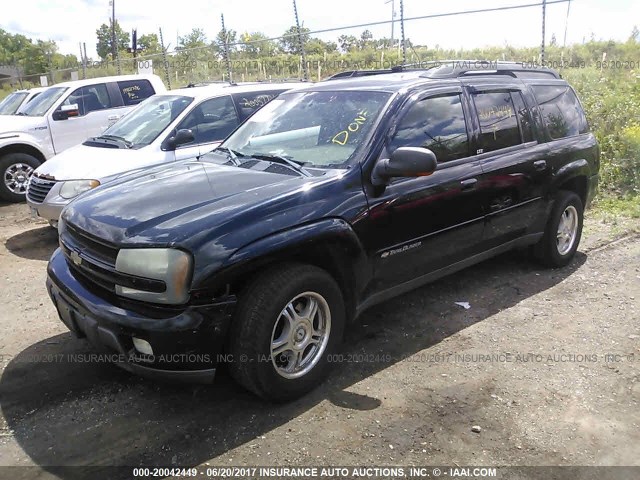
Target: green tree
105,40
232,37
347,43
290,42
256,45
149,44
194,39
366,40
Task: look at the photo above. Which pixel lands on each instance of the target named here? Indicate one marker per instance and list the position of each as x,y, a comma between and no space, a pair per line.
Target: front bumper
52,205
186,344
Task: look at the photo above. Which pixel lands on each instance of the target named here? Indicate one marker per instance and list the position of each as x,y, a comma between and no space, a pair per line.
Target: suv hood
193,202
20,123
83,162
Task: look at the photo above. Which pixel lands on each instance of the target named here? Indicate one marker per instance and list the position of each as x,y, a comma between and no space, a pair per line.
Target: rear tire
288,322
16,168
563,231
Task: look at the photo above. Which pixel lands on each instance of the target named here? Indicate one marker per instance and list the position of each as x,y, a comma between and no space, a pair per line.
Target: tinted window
524,117
498,122
561,112
135,91
250,102
89,99
435,123
212,120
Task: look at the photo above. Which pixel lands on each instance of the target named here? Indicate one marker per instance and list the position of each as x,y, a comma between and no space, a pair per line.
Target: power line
361,25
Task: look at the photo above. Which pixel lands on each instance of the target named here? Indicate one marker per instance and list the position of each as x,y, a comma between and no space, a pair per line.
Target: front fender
13,139
330,243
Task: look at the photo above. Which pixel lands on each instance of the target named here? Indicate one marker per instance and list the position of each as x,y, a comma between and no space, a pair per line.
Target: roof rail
460,68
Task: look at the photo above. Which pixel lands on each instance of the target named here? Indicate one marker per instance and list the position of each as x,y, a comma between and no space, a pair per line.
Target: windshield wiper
21,113
270,157
231,154
115,139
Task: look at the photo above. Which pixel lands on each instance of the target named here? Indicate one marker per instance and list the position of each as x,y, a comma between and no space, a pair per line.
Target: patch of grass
628,206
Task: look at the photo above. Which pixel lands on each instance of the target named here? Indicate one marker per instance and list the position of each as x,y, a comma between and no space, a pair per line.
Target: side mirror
66,111
181,137
405,162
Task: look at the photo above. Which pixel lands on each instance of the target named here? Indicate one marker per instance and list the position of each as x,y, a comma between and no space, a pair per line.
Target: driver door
211,121
70,131
423,224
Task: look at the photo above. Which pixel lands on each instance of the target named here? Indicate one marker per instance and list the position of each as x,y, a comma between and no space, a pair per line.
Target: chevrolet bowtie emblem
75,257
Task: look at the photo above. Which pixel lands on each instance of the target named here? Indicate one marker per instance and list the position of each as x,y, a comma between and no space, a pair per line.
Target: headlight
74,188
169,265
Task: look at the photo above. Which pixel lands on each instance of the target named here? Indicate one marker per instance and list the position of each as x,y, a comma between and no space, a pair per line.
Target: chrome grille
38,188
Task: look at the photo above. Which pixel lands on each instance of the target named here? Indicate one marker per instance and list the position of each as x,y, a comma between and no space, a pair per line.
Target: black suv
330,199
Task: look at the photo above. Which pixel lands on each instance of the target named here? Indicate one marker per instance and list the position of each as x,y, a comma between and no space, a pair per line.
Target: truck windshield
143,125
317,129
12,102
40,105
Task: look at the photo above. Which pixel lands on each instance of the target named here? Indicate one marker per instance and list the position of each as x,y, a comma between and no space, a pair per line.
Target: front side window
212,120
41,105
135,91
498,121
12,102
143,125
561,111
89,99
436,123
321,129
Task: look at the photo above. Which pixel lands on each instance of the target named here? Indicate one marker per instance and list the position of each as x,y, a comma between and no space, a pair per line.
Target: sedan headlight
171,266
73,188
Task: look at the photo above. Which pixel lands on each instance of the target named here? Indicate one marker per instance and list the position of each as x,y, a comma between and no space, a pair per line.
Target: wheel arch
330,244
23,148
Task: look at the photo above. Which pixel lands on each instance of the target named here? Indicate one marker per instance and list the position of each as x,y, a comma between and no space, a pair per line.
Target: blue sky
71,21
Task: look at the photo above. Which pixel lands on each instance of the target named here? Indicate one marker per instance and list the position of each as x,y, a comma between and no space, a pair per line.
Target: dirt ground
545,362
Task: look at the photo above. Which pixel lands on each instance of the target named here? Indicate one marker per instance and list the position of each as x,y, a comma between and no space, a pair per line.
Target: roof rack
209,82
460,68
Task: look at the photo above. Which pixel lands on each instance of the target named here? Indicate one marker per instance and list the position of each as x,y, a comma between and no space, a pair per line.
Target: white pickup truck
62,116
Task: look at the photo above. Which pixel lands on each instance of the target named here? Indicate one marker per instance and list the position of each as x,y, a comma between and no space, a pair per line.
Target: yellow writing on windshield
342,137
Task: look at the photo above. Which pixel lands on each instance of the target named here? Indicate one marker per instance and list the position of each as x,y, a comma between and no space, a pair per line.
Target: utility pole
393,17
225,49
404,43
544,20
84,62
305,69
165,62
114,44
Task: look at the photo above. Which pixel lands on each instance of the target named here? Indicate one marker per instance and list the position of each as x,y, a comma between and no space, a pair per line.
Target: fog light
142,346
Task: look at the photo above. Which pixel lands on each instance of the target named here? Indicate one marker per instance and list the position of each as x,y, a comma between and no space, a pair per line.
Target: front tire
16,169
288,322
563,231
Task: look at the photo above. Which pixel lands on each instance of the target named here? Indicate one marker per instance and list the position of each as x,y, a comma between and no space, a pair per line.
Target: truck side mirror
66,111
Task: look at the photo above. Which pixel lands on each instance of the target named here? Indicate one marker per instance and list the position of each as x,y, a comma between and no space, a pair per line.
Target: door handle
468,184
540,165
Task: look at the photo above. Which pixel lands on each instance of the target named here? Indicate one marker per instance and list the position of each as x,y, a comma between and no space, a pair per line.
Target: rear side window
213,120
135,91
436,123
250,102
561,111
498,121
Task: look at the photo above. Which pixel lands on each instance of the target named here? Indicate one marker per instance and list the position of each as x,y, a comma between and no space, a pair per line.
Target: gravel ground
545,362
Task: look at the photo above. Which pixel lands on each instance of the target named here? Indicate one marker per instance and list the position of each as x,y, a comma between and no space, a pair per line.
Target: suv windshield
143,125
10,104
43,102
317,129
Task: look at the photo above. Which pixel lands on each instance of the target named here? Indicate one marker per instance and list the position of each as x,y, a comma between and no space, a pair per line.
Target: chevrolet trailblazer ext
328,200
